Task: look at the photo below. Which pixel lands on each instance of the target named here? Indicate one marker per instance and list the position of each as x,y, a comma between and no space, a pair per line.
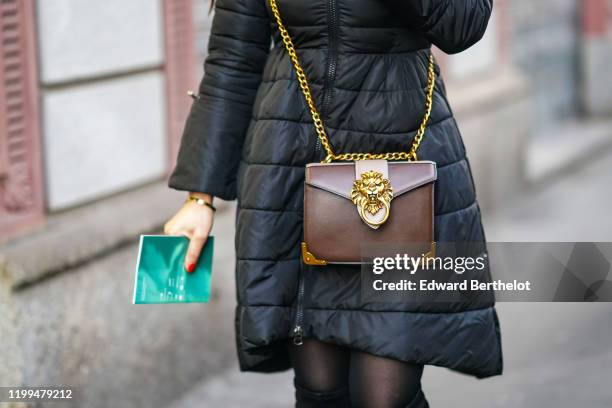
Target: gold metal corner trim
309,258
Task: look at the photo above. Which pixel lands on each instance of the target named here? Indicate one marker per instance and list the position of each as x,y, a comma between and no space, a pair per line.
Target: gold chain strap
316,118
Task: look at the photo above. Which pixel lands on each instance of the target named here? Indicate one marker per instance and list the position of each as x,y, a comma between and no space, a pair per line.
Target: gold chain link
316,118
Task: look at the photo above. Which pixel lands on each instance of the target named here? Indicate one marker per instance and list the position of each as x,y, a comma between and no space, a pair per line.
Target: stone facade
103,97
88,127
597,58
80,40
545,38
82,86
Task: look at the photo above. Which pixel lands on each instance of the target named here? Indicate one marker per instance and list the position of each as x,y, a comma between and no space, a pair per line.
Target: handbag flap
338,178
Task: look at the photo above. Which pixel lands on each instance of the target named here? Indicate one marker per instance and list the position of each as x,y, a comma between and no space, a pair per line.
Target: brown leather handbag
368,199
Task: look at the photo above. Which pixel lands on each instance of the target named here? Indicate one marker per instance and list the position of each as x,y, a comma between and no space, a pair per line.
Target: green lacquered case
161,276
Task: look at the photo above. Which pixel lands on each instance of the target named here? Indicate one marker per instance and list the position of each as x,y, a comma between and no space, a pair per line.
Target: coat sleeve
451,25
214,133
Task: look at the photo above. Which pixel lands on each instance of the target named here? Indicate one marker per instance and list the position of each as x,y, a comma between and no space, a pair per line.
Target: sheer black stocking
328,375
321,374
382,382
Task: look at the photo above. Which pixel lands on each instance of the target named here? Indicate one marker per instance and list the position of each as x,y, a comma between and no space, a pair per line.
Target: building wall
21,179
545,38
542,62
596,58
93,100
103,97
90,95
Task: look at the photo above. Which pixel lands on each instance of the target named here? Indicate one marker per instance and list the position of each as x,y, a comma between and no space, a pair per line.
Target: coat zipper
298,329
332,60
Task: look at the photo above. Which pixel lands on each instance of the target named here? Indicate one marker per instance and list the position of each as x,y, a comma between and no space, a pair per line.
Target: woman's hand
195,222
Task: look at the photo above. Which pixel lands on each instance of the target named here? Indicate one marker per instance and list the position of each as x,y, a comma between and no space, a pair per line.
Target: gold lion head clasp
372,194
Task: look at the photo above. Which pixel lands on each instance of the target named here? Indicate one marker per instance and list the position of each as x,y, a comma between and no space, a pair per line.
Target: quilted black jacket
250,134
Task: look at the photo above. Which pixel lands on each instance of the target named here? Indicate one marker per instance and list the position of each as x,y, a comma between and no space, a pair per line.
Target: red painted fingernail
191,267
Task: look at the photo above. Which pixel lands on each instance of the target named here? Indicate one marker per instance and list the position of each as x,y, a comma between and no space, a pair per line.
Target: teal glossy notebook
161,276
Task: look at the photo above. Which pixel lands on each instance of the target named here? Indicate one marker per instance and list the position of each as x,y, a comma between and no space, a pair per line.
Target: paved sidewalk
556,355
234,389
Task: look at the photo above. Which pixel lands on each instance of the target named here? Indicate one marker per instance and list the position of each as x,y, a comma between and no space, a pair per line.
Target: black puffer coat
250,135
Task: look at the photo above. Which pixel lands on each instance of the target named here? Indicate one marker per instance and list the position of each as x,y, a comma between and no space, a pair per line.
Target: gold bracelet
201,201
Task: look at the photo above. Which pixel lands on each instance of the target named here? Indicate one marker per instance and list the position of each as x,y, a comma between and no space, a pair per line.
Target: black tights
331,376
